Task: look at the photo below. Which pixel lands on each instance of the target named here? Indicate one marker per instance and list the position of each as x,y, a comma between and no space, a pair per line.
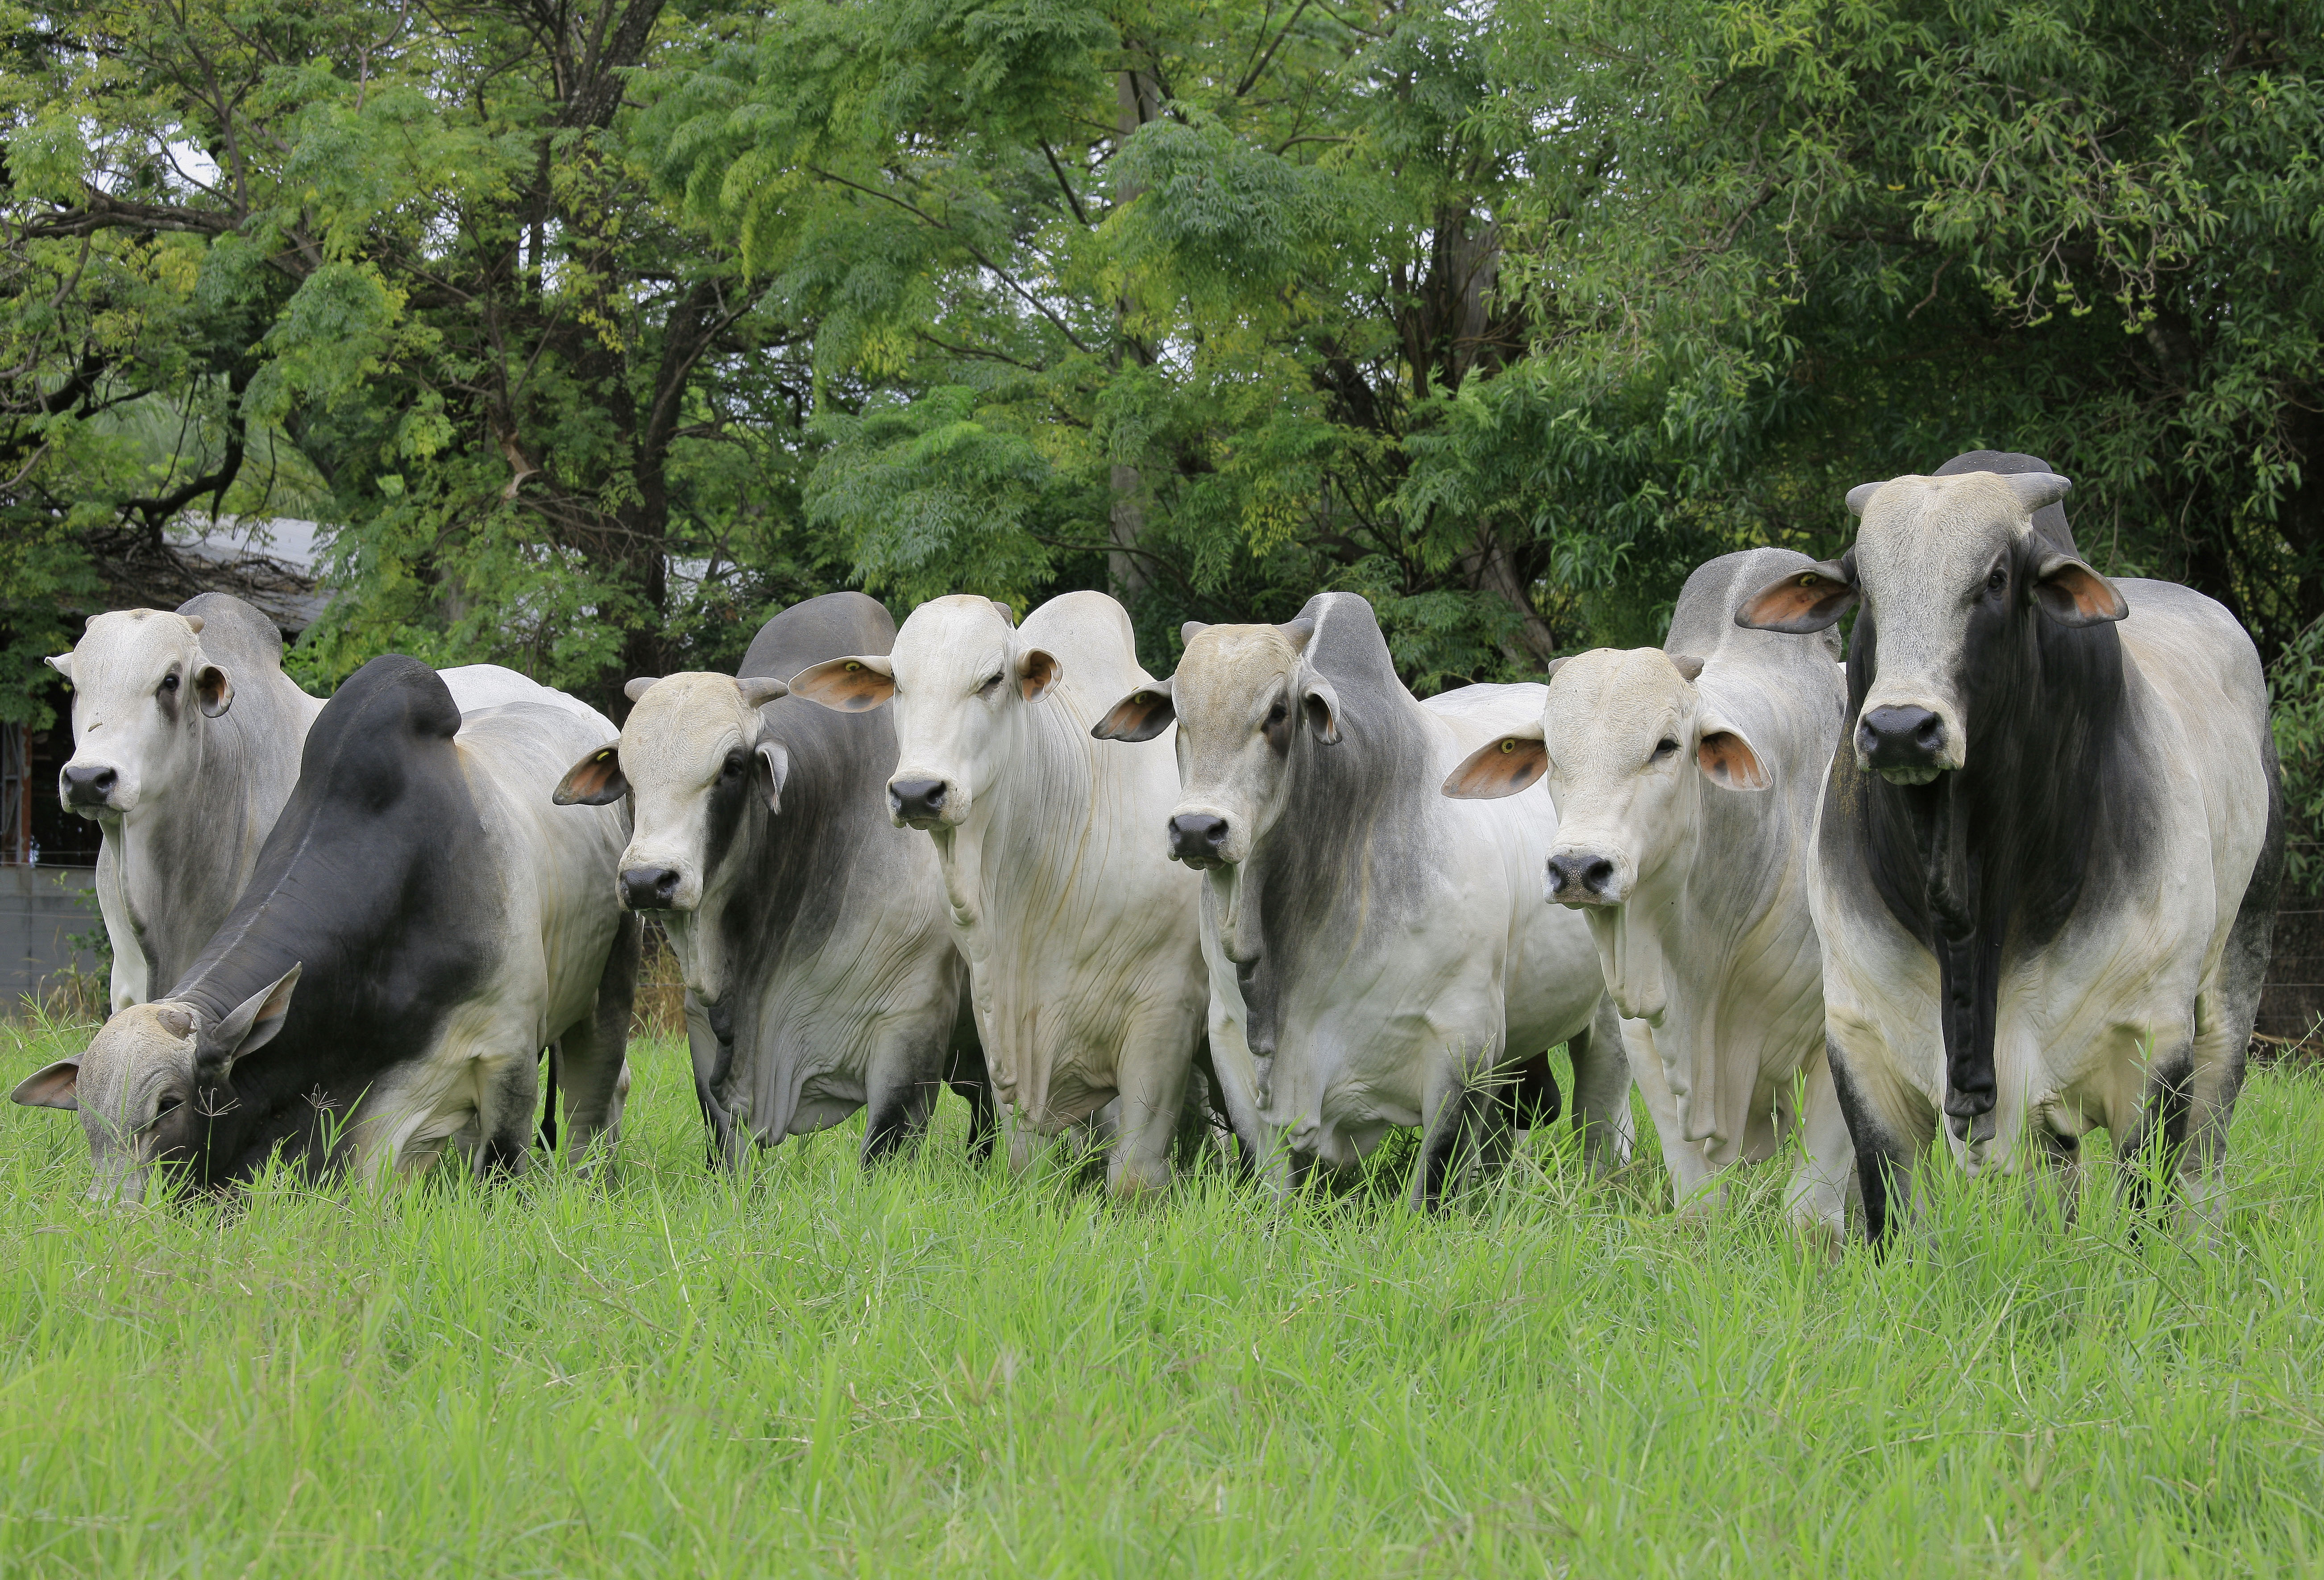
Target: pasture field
936,1370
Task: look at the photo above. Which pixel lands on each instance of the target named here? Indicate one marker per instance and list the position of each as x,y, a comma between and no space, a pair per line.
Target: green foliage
939,1370
596,336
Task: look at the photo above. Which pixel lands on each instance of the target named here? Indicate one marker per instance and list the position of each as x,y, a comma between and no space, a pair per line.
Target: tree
399,256
1183,288
1804,246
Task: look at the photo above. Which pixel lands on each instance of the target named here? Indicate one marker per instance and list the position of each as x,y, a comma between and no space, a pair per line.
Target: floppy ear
638,686
758,691
2070,593
62,665
1802,602
1861,495
773,765
55,1085
1320,704
1141,715
1036,673
593,782
1504,768
856,685
1689,666
1727,758
213,691
1191,630
250,1026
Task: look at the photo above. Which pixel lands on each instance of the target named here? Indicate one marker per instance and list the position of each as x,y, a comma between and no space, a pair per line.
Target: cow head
155,1083
1947,569
961,678
1241,694
694,754
142,689
1627,744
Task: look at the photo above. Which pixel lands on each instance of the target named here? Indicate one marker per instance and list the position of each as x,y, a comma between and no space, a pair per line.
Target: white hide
1084,960
1709,949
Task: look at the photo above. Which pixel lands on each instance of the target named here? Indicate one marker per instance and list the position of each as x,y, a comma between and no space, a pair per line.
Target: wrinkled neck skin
185,852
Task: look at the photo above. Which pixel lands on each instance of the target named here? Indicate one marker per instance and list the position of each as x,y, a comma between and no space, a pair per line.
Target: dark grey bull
820,971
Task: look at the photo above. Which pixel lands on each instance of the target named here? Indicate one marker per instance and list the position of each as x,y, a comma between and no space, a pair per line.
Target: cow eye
1277,715
732,767
169,684
1998,579
991,684
1663,748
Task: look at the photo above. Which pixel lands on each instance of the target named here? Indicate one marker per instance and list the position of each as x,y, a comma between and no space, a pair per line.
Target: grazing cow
2046,867
811,930
419,923
186,743
1084,963
1376,950
1686,781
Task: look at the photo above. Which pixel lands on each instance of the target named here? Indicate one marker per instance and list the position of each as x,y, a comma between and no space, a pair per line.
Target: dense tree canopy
597,330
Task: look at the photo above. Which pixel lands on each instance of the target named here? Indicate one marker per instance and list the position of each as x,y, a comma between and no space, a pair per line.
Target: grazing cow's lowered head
153,1080
694,755
142,688
1626,742
961,678
1240,693
1954,576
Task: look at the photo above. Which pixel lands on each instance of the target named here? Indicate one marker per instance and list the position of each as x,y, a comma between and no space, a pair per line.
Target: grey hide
1388,948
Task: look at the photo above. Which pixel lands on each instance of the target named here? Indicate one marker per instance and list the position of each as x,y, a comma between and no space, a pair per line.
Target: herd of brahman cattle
2004,874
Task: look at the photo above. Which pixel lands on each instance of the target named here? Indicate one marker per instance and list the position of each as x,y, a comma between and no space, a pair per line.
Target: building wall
40,908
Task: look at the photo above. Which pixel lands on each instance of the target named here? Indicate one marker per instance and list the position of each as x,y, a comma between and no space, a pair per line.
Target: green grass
938,1369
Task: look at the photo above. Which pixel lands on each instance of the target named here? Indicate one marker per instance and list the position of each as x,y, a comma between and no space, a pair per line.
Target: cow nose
649,888
1197,836
89,787
1901,737
918,801
1581,878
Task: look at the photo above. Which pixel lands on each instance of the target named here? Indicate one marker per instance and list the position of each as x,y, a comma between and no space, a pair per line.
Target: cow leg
721,1148
1151,1078
972,1083
1523,1098
508,1092
1693,1180
901,1083
2154,1150
592,1052
1445,1129
1889,1146
1815,1202
1602,1090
